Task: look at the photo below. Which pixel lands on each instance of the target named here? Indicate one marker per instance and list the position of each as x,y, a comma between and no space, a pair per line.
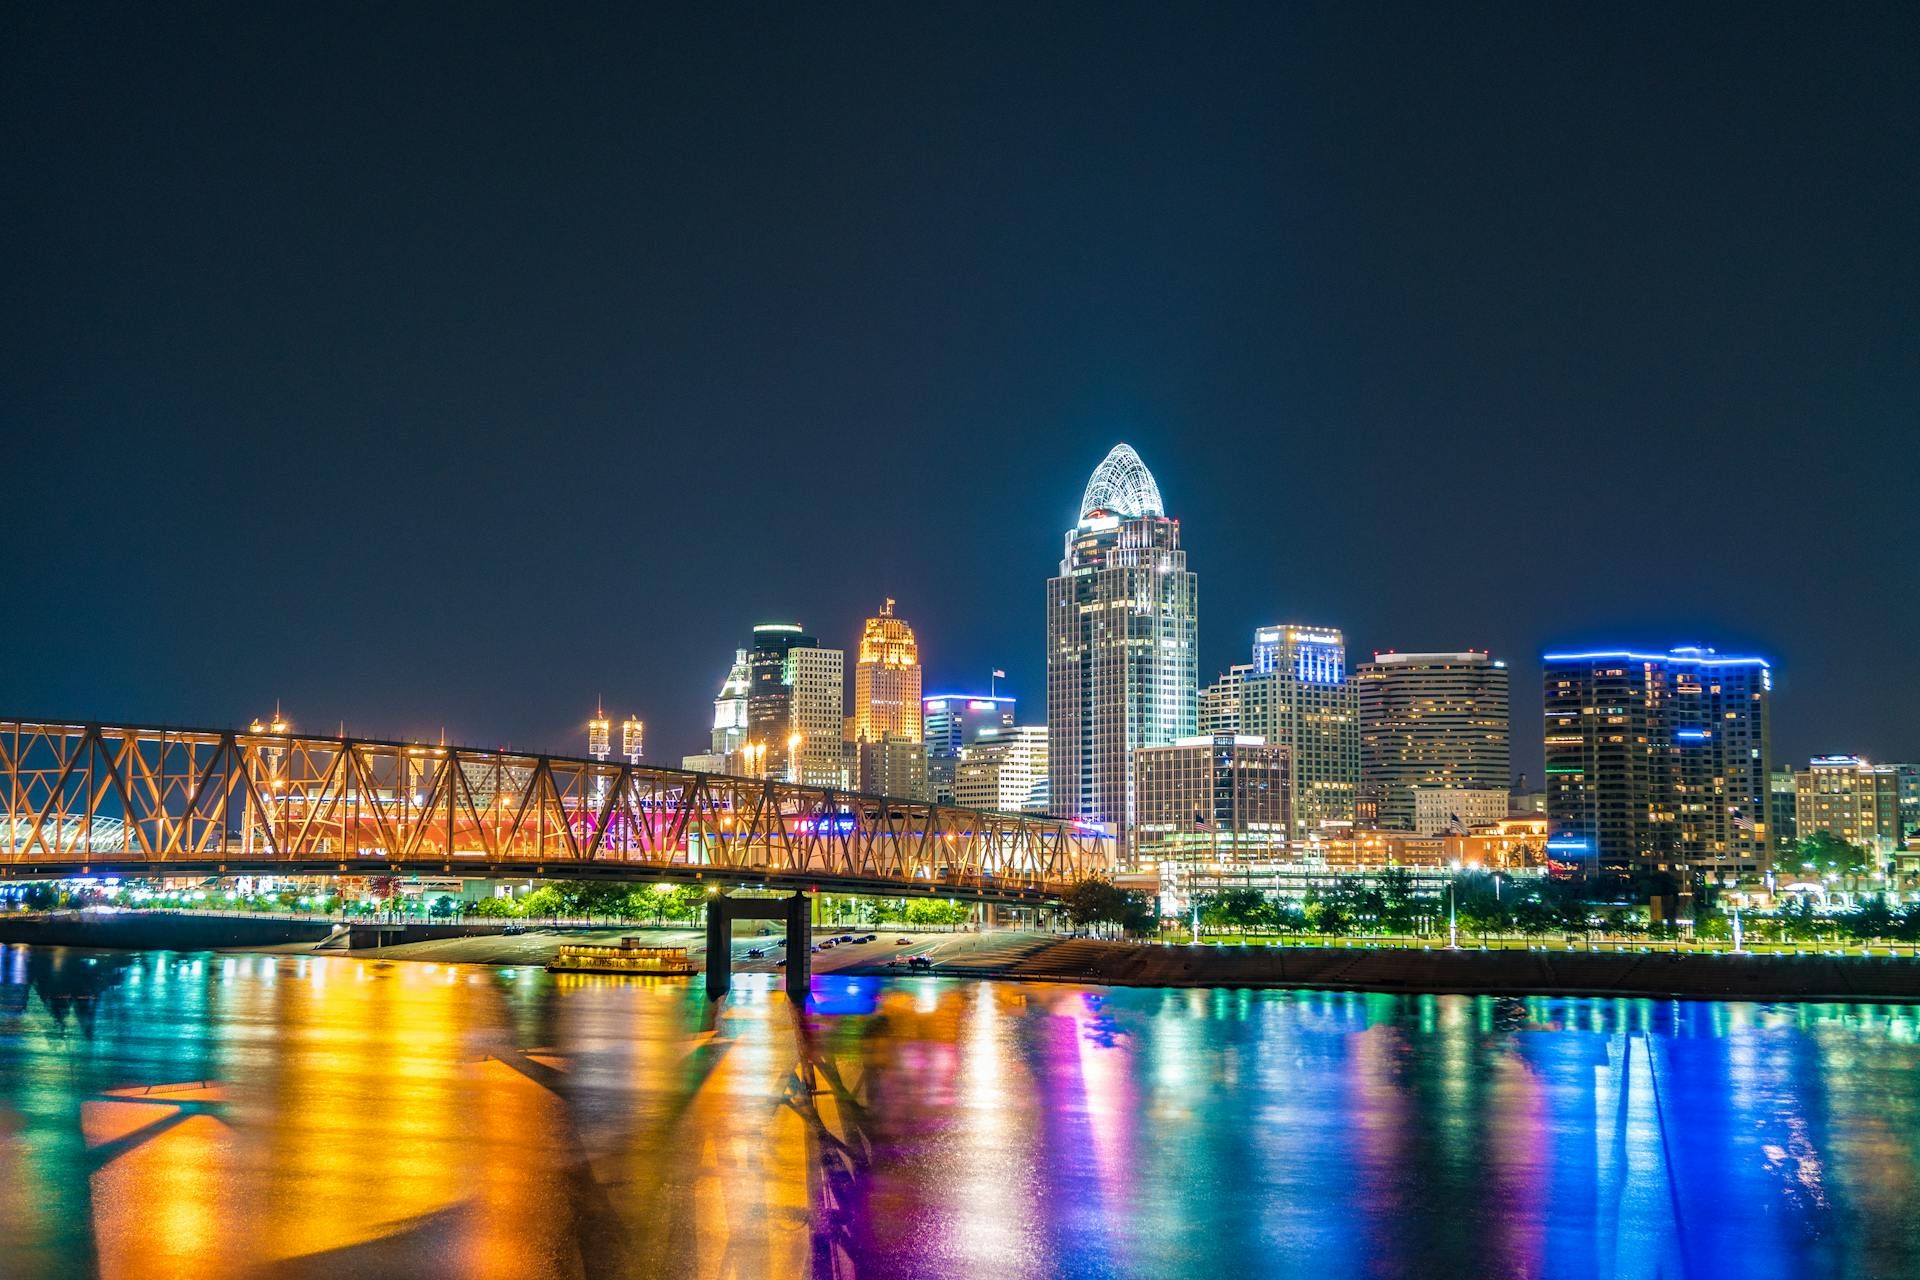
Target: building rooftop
1121,486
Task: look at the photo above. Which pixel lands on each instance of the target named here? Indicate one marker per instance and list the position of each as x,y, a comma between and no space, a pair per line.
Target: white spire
1122,486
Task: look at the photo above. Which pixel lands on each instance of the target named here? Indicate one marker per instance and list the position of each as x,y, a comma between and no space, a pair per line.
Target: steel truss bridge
99,799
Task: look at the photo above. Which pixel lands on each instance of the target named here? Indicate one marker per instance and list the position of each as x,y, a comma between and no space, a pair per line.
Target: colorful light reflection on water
212,1115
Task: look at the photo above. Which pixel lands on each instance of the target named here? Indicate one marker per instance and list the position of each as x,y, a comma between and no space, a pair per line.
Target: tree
1096,901
1826,854
1091,901
1797,920
494,909
1871,920
936,911
1398,908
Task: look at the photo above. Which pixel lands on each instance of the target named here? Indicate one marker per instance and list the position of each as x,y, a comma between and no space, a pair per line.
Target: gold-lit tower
886,681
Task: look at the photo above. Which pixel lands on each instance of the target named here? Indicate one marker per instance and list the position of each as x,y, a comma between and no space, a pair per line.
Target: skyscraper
1122,644
1659,762
729,735
730,708
1433,721
886,680
795,707
817,723
950,722
770,696
1296,695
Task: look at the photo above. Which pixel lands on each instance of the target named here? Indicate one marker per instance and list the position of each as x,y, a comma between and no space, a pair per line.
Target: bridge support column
799,948
719,948
794,912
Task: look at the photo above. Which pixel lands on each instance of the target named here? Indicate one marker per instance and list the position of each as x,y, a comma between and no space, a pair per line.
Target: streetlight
1453,923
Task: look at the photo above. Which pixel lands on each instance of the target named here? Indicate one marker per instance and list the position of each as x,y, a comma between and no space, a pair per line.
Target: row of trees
1485,906
685,904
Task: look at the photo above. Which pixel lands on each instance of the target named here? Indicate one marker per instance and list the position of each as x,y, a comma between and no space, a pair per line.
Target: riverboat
628,957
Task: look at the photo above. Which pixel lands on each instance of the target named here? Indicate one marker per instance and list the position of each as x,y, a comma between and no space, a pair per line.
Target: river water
294,1116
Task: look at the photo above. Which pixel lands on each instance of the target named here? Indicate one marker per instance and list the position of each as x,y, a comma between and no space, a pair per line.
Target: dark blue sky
446,365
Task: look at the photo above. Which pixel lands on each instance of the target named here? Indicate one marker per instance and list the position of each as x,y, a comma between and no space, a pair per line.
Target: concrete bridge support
795,911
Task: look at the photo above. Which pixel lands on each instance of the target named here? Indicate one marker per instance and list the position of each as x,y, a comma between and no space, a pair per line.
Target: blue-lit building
951,722
1298,694
1660,762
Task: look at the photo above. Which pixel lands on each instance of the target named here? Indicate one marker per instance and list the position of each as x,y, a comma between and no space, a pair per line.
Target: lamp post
1453,922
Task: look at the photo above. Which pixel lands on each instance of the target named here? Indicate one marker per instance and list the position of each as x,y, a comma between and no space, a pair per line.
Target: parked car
903,942
754,953
919,962
825,946
872,937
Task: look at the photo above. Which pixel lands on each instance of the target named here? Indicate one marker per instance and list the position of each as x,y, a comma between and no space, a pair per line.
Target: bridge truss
84,798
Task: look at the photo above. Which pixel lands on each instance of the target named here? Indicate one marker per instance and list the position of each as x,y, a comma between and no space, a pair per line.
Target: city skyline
468,456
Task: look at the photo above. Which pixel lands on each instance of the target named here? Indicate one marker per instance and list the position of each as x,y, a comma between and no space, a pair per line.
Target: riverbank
1034,957
1714,976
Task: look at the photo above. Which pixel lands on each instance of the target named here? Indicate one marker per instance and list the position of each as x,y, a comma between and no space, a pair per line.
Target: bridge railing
80,792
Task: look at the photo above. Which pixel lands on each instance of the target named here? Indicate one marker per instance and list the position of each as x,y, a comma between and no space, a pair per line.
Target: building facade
1851,798
1455,809
886,680
1432,722
1220,703
770,698
893,767
1211,801
1122,645
1784,808
1296,695
1004,769
1660,763
950,722
817,726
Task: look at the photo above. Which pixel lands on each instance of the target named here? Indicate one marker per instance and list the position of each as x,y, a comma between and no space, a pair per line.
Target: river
217,1115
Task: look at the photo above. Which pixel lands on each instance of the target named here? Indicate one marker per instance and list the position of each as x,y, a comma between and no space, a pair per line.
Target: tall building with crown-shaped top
886,680
1122,645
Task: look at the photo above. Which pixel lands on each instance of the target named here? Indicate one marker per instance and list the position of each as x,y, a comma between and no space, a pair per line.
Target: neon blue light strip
1656,657
966,697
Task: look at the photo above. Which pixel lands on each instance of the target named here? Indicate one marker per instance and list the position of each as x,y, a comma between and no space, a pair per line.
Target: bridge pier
795,911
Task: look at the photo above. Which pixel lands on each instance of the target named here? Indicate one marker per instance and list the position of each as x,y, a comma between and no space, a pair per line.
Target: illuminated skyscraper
1122,644
770,696
1659,762
796,692
1296,695
730,708
886,680
1434,722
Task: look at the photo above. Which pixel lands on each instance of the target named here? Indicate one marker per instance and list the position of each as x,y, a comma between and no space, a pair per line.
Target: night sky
430,366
